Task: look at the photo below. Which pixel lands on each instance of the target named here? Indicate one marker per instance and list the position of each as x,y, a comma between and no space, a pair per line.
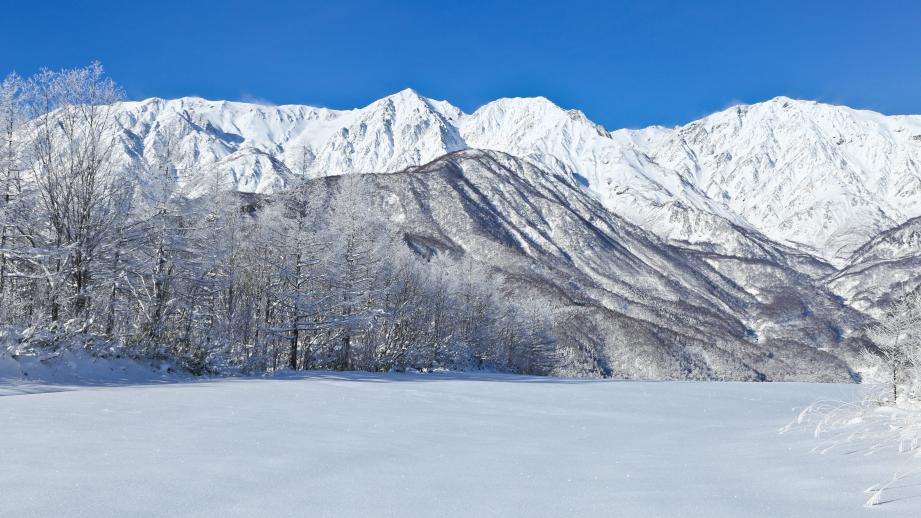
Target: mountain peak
538,103
783,99
406,93
411,99
405,97
777,104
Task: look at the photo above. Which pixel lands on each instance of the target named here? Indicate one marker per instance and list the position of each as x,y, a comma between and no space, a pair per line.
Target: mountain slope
882,270
652,310
824,178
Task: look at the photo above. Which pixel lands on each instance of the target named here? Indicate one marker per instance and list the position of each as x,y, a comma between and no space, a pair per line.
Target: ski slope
429,445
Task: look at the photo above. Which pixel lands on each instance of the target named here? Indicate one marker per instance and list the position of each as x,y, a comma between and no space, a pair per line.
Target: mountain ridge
821,178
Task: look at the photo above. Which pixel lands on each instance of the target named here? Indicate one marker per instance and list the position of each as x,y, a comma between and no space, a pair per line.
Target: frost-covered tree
302,270
354,245
897,336
76,195
11,118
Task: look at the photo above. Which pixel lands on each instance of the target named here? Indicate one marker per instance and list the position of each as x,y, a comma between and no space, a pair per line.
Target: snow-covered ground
429,445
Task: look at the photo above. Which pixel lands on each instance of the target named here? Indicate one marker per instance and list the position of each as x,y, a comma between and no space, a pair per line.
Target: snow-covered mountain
256,148
813,177
821,178
824,178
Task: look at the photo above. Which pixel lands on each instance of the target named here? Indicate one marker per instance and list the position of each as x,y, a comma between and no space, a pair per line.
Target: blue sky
626,64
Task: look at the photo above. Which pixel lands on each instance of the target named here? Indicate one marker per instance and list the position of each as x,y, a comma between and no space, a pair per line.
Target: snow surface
355,444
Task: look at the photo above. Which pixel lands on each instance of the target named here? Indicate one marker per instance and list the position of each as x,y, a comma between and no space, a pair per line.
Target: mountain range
749,244
819,178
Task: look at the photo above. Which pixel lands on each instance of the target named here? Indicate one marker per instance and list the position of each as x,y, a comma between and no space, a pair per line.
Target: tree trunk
3,264
295,332
110,320
895,384
295,336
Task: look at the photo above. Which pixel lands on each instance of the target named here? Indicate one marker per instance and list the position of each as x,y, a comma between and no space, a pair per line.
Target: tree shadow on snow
441,376
38,385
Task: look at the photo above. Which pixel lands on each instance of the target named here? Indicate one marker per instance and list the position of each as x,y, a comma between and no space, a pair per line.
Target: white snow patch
430,445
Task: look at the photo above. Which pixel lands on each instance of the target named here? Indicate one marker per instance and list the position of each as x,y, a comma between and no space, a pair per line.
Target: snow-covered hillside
823,179
436,445
884,269
647,309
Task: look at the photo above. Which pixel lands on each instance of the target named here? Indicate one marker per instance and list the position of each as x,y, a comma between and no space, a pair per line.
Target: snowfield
366,445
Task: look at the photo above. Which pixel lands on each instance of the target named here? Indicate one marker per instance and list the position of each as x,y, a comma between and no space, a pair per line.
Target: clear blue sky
626,64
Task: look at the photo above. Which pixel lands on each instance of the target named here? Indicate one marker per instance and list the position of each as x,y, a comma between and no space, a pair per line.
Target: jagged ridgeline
408,234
